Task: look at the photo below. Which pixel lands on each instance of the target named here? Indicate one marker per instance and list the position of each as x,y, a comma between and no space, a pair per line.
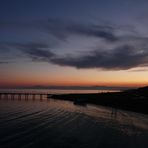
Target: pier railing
23,95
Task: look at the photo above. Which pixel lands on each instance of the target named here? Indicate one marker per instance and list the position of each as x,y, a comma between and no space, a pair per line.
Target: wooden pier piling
20,96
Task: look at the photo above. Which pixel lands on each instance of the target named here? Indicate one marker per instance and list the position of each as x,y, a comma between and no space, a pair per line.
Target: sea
50,123
57,91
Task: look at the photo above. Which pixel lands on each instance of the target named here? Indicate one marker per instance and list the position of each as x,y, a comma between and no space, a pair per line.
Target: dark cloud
121,58
139,70
94,31
39,54
35,51
2,62
127,51
62,29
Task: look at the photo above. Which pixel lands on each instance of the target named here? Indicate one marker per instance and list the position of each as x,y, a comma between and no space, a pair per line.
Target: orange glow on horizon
73,77
73,83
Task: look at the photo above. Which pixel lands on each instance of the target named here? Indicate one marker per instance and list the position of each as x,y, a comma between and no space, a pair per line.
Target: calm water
61,124
56,91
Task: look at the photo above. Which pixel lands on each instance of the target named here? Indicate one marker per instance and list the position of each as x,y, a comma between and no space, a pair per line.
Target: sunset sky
73,42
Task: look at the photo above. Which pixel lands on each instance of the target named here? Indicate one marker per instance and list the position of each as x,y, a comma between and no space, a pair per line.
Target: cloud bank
120,58
128,51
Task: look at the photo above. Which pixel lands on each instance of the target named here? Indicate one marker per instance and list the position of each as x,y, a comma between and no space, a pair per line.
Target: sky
73,43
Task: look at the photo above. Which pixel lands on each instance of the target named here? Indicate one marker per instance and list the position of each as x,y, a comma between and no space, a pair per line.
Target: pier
23,95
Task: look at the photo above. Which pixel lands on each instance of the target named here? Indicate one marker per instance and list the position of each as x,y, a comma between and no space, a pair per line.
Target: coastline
131,100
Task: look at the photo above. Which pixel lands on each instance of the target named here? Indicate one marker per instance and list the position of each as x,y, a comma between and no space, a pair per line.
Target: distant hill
113,88
142,91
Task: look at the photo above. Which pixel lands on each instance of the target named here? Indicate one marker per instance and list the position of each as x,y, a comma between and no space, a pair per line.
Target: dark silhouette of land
133,100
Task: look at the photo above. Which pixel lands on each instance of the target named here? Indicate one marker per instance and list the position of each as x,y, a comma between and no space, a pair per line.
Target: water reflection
56,124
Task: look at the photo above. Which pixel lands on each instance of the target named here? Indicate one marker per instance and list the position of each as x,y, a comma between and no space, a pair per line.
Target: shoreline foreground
135,100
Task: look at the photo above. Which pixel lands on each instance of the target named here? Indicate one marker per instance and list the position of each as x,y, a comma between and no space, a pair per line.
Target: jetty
23,95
